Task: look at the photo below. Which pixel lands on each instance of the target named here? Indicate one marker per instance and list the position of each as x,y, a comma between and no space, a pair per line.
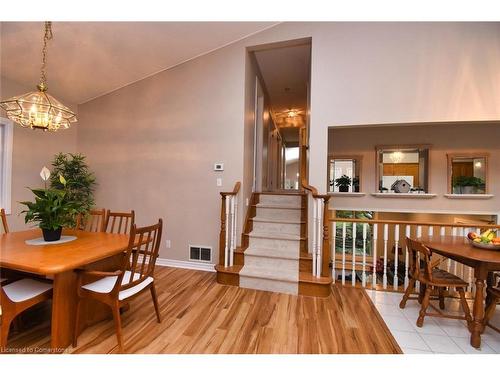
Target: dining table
483,261
58,262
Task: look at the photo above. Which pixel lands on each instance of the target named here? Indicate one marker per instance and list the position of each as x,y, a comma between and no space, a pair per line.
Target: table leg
478,314
63,310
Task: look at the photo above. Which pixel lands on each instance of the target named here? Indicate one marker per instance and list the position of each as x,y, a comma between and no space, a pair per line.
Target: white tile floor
438,335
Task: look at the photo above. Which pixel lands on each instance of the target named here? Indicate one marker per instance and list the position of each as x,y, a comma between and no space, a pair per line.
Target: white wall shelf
469,196
347,194
404,195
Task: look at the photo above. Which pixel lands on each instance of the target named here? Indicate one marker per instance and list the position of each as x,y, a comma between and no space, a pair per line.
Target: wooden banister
223,224
415,223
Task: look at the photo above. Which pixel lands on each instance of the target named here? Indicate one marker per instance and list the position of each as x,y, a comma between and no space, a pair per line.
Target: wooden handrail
417,223
235,191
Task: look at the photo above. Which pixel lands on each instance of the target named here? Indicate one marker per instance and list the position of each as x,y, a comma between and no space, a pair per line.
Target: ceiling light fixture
38,109
292,113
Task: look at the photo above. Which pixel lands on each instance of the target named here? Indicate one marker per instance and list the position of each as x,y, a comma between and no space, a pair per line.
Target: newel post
325,266
222,235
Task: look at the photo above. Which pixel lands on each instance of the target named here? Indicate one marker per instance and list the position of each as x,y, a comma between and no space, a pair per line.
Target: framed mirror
402,169
344,174
468,174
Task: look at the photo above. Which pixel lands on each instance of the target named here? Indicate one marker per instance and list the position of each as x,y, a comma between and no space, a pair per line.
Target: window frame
6,161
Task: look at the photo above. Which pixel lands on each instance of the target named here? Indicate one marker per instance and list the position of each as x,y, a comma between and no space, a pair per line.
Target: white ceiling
285,72
89,59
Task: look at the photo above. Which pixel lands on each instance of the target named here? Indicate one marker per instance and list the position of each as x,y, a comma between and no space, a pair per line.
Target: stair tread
278,206
270,273
271,253
309,278
276,221
275,236
232,269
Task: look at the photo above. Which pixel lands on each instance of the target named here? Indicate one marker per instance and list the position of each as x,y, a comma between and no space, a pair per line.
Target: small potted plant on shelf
466,184
343,183
52,209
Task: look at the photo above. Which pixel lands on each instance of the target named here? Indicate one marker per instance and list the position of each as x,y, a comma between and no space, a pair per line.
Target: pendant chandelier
38,109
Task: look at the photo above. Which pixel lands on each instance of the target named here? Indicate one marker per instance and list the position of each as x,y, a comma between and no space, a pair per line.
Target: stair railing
228,221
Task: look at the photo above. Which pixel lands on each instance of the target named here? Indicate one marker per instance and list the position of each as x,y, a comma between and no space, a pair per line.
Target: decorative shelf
404,195
347,194
469,196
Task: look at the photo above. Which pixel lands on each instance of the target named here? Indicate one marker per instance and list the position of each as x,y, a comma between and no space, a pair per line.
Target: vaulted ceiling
90,59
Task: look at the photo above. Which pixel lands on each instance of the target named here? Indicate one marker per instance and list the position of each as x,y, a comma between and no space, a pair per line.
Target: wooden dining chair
16,297
493,293
434,279
119,222
136,275
93,222
3,219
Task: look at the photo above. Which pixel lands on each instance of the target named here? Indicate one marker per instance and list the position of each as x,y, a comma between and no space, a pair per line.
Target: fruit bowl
488,246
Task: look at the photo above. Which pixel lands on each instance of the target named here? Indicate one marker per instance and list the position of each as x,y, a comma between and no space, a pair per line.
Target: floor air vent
200,253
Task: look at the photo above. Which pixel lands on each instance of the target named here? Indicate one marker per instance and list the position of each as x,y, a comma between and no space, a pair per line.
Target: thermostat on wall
218,167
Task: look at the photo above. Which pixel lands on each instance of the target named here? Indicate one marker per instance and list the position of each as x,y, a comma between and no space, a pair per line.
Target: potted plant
343,183
466,184
52,209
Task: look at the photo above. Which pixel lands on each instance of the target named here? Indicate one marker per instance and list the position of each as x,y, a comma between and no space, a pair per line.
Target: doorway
281,104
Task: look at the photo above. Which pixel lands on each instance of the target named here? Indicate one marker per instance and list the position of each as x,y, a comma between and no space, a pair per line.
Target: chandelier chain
47,36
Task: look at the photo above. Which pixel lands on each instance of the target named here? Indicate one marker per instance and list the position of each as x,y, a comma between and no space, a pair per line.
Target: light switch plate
219,182
218,167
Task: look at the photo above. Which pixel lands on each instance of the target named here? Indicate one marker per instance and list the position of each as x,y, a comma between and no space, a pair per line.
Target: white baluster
226,247
375,238
396,248
314,237
365,225
233,231
408,234
334,242
419,231
386,242
442,231
353,276
430,231
419,235
344,231
320,238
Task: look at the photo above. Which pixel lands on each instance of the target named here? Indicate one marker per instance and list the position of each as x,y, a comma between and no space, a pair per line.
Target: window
344,174
468,174
5,163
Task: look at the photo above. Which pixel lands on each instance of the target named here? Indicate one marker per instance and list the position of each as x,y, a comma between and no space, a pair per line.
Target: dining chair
119,222
493,293
135,276
93,222
17,297
434,279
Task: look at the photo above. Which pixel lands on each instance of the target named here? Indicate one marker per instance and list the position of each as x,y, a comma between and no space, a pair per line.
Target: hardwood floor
201,316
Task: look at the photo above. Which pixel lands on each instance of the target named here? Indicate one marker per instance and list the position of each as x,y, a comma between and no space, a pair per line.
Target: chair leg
155,302
465,305
490,310
408,291
4,333
118,324
425,305
441,298
76,331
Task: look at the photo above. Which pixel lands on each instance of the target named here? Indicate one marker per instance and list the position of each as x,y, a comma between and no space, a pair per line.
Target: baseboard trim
208,267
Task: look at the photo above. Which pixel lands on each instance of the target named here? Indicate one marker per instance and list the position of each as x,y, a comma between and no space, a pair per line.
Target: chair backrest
3,219
142,251
419,259
93,222
119,222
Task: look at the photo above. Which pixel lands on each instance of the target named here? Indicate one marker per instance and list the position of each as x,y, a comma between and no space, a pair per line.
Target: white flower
45,173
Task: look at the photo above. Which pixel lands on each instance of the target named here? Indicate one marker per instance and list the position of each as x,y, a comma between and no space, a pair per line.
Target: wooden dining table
483,261
97,251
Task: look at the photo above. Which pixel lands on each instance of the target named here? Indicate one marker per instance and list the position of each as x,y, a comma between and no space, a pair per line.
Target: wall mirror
468,174
344,174
402,169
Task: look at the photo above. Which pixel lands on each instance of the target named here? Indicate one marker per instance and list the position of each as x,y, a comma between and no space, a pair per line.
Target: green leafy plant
344,181
467,181
52,208
80,180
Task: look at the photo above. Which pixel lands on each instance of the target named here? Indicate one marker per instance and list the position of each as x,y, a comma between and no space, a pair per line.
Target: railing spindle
396,250
365,225
353,276
344,231
315,232
386,242
334,246
408,234
375,238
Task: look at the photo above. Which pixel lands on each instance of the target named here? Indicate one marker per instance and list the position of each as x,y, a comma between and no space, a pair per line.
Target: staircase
273,255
